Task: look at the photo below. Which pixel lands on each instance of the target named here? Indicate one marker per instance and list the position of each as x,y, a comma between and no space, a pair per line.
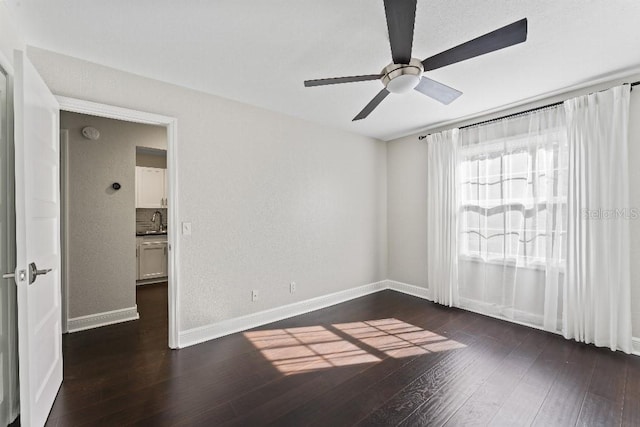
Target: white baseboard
412,290
635,346
91,321
226,327
424,293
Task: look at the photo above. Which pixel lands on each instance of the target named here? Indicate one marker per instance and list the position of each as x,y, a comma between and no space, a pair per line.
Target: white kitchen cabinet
151,187
152,259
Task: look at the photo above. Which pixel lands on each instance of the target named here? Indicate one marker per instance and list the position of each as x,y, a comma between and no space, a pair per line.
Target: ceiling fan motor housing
401,78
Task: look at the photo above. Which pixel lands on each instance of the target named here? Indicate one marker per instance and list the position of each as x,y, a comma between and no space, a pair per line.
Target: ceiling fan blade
438,91
336,80
506,36
401,17
372,105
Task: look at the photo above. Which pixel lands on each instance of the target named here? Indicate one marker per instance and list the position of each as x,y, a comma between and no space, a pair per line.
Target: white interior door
37,182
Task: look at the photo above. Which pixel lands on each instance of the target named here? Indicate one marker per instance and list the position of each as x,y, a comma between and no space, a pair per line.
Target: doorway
118,220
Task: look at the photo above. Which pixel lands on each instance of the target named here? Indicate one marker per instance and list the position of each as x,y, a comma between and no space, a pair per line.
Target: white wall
407,186
102,221
272,199
634,200
10,37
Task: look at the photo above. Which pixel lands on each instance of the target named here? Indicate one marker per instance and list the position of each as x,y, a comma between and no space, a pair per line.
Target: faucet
153,219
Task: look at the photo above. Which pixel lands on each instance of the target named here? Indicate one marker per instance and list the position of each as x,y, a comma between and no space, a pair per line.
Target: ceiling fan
406,73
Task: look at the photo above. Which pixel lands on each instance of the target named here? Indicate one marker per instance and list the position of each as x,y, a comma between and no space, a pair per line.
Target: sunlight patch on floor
311,348
396,338
297,350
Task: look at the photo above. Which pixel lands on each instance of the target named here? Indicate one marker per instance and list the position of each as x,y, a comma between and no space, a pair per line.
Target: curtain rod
421,137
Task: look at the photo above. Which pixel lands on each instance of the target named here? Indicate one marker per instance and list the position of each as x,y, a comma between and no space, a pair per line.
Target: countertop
151,233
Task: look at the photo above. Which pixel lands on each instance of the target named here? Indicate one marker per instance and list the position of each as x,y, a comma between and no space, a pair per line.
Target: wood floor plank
354,387
353,410
523,404
424,388
232,375
438,409
564,401
439,405
477,370
605,396
631,409
272,407
612,370
599,411
487,399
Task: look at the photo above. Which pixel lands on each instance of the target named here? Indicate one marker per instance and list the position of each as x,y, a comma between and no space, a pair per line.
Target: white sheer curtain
442,212
512,217
597,305
528,218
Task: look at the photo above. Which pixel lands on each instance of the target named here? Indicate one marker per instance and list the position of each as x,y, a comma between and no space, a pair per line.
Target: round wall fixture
116,186
90,133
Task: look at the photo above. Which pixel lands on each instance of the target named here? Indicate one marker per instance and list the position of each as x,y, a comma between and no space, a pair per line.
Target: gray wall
271,199
634,199
101,225
407,212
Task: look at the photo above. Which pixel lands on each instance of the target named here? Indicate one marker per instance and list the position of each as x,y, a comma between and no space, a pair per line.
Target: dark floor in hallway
384,359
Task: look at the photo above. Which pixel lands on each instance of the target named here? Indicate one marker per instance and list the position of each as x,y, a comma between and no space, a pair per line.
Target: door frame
64,228
13,393
75,105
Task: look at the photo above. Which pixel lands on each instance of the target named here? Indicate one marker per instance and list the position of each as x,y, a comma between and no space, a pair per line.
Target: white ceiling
260,52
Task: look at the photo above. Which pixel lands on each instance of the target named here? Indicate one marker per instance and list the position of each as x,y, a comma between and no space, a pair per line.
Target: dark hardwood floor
384,359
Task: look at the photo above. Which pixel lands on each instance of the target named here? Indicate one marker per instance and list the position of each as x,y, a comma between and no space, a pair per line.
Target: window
512,194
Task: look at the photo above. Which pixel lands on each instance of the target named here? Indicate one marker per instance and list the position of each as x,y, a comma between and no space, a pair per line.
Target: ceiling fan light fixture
402,78
405,72
403,83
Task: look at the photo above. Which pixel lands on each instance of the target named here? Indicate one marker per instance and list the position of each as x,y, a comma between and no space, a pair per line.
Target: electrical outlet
292,287
254,295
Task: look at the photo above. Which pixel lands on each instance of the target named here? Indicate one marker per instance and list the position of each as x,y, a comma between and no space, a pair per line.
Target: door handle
22,275
34,272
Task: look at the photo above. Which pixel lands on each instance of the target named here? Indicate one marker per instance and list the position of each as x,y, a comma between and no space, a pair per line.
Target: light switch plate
186,228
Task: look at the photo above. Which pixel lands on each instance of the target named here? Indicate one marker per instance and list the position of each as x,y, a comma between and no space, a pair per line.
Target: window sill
508,263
